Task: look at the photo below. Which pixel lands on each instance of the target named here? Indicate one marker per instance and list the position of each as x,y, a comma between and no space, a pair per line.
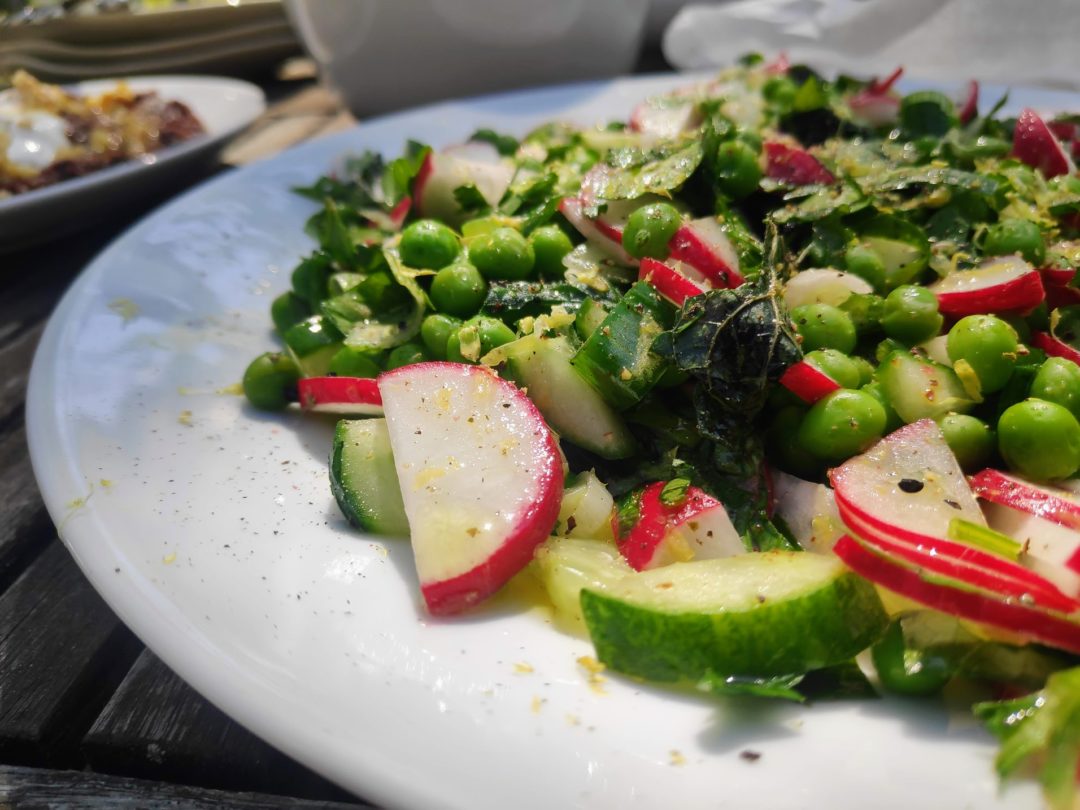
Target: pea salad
773,387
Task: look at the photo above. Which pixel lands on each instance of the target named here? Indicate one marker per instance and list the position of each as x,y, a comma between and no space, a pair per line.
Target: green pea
866,371
458,289
738,168
988,346
1016,236
892,418
1058,381
428,245
550,244
971,440
837,365
863,261
477,337
842,424
823,326
435,331
405,355
270,381
782,445
649,229
911,314
288,309
1040,439
909,670
780,90
502,254
350,362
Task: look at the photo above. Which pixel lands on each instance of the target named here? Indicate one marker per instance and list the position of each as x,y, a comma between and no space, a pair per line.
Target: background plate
212,532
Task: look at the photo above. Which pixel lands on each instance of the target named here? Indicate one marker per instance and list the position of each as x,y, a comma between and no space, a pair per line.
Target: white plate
212,532
225,106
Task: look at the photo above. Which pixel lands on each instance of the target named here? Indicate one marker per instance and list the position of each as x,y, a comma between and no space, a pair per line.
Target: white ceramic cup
389,54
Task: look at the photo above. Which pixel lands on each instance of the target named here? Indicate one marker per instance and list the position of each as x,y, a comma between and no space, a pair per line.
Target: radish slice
874,104
1054,347
808,510
702,244
603,238
794,165
697,529
1059,290
442,173
1052,503
1035,145
823,286
779,66
341,395
481,477
1050,627
1050,549
909,482
879,86
808,382
664,117
1001,284
970,108
673,283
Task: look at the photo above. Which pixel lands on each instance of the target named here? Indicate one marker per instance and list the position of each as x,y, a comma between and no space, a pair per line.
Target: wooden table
88,715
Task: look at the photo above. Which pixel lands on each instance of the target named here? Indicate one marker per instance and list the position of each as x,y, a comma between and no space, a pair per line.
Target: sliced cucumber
566,565
572,407
363,478
589,317
768,613
586,509
313,343
920,389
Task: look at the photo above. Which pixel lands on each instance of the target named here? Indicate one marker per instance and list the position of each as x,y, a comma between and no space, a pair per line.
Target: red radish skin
1005,284
808,382
574,210
970,108
481,477
794,165
1048,627
700,524
964,563
779,66
1034,144
875,104
1050,549
702,244
1054,347
669,282
344,395
1049,503
880,86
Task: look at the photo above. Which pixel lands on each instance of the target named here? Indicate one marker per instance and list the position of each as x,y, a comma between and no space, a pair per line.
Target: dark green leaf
779,686
659,171
506,145
398,178
471,202
840,682
839,199
675,492
510,301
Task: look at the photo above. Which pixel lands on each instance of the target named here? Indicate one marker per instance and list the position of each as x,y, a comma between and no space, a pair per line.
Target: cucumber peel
760,614
364,480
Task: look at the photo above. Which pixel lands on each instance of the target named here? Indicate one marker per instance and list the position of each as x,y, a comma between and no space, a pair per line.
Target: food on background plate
48,135
778,371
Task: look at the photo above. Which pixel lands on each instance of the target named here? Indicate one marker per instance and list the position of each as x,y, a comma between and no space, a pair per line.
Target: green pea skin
865,262
738,168
287,310
428,245
971,440
780,90
550,245
1058,381
350,362
892,418
908,671
649,229
843,369
842,424
502,254
823,326
405,355
270,381
1040,440
458,290
435,331
911,314
491,333
988,345
1016,236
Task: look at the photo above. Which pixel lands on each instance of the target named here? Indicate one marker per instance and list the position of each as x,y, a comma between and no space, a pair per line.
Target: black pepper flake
750,756
911,485
953,504
571,523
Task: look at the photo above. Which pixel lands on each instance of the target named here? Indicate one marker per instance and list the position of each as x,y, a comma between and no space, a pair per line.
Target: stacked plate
220,36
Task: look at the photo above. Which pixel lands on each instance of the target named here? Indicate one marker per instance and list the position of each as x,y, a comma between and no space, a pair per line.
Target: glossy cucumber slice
363,478
566,565
761,614
922,389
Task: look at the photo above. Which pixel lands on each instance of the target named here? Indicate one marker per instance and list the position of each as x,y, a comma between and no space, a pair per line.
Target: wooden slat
44,789
62,652
158,727
25,527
